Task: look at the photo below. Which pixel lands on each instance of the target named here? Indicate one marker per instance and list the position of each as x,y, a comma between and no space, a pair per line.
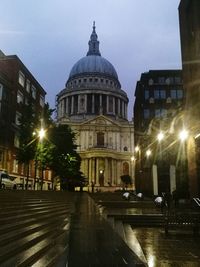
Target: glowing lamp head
41,133
160,136
183,135
148,153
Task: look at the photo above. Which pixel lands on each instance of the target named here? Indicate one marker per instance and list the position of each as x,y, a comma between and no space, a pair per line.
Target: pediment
101,121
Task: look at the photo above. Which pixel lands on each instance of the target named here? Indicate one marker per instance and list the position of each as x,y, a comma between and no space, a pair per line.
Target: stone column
100,104
107,104
155,179
86,103
106,172
113,105
113,179
172,173
72,105
123,109
118,107
78,109
90,171
67,103
118,172
93,169
97,172
93,103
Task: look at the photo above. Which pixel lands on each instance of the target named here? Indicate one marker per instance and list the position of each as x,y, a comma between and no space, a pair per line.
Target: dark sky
49,36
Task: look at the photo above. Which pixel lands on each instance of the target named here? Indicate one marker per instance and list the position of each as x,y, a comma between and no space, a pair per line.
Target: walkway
93,243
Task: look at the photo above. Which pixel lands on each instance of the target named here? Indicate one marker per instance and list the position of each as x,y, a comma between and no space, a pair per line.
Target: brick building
189,18
16,85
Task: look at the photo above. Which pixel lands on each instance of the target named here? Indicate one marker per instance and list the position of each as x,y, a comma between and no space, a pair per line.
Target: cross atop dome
93,43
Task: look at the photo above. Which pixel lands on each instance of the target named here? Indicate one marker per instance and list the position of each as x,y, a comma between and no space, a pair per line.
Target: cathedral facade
95,107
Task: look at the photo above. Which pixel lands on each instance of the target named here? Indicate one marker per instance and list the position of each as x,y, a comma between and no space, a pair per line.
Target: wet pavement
93,243
178,249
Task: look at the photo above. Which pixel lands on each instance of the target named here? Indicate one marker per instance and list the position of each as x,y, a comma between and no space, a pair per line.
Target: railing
191,221
197,201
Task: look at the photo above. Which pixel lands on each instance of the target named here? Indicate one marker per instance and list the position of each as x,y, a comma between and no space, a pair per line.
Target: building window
17,118
159,94
156,94
20,97
177,80
157,113
28,86
180,94
16,141
150,81
173,94
162,94
160,113
33,89
100,139
42,101
146,94
125,168
161,80
125,148
15,166
146,113
21,78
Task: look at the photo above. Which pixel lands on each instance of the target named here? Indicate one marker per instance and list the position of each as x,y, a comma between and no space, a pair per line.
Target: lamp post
41,135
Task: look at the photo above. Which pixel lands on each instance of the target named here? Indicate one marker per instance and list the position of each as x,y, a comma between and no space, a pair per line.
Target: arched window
125,168
100,139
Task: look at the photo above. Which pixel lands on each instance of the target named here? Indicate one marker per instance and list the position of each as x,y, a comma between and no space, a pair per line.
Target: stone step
15,225
24,231
57,255
35,209
30,252
24,216
140,220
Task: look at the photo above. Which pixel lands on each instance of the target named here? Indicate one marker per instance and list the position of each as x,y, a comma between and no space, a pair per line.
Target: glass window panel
146,94
179,94
173,94
156,94
146,113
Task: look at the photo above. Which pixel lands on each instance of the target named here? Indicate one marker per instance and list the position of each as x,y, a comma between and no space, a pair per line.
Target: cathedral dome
93,64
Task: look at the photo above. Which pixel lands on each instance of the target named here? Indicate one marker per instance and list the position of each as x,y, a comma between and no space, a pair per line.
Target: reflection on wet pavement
178,249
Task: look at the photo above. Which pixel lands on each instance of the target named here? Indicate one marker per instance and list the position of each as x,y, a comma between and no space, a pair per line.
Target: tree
27,123
65,160
126,179
43,154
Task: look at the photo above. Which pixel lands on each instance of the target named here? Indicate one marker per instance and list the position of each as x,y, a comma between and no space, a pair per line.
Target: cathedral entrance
101,177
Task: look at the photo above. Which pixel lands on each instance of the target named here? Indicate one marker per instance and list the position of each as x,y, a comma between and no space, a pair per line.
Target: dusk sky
50,36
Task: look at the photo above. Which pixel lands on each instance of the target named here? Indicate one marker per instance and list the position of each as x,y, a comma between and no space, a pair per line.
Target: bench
182,221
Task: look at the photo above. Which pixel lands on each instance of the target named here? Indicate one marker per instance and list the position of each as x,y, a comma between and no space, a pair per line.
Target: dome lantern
93,43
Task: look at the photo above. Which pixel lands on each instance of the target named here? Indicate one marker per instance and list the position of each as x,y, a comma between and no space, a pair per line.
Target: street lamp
137,148
132,158
148,153
160,136
41,134
183,135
